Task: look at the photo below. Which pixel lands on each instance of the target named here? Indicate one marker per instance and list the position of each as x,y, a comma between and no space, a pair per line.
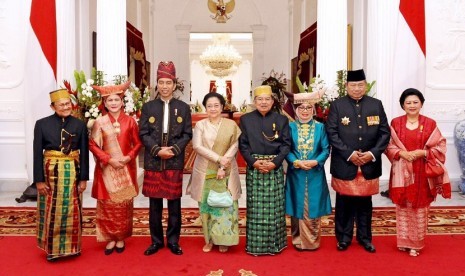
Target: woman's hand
125,160
409,156
225,162
220,174
115,163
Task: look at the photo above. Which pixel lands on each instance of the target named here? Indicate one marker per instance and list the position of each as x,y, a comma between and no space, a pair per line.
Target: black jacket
357,125
151,132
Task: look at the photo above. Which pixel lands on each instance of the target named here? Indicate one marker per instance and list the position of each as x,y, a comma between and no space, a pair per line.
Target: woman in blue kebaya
307,194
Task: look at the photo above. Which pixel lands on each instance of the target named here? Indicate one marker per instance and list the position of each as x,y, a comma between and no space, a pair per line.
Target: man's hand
365,157
166,153
355,158
43,188
82,186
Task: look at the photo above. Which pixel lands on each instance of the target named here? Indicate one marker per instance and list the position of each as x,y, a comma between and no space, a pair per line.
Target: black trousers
174,221
348,210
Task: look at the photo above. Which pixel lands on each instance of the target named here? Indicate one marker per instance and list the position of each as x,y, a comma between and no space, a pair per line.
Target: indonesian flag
410,49
40,67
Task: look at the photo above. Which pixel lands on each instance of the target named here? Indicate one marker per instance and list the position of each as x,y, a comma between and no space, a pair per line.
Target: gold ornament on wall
221,10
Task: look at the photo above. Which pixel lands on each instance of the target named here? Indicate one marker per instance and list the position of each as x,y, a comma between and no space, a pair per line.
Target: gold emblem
373,120
152,120
345,121
179,119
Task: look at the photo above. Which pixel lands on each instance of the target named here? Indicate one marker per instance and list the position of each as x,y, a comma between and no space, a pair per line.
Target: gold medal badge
373,120
179,119
152,120
345,121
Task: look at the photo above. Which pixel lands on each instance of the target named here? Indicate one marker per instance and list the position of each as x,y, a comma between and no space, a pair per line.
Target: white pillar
111,38
66,40
182,61
258,35
331,39
381,30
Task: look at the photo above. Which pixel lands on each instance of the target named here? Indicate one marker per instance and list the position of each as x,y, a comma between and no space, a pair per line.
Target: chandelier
220,59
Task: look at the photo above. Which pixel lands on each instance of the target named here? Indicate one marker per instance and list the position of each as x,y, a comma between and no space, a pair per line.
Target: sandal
223,248
403,249
414,253
208,247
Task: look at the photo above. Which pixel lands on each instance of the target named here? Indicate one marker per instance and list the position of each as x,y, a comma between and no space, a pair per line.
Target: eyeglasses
63,105
305,108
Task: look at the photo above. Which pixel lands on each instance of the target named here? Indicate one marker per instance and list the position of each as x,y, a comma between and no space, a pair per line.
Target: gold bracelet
296,165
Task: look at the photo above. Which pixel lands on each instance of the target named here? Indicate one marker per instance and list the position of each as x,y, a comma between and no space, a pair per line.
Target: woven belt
74,155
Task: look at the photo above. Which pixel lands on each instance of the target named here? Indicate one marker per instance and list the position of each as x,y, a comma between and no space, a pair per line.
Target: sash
402,175
118,182
227,136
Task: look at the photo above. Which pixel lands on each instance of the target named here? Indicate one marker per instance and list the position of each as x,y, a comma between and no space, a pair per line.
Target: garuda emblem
221,10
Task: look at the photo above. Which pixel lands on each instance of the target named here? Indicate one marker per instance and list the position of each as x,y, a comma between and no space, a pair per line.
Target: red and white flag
410,49
40,67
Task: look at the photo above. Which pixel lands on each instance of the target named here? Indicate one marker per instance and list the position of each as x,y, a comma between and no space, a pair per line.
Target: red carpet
443,256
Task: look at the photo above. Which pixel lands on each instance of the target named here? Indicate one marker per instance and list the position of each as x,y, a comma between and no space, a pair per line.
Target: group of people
356,135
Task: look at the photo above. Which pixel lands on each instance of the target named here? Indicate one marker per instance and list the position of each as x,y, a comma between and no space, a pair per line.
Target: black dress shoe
175,248
120,249
342,246
369,247
153,249
109,251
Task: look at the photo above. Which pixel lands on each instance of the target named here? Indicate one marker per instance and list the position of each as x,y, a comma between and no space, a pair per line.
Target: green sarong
266,221
220,225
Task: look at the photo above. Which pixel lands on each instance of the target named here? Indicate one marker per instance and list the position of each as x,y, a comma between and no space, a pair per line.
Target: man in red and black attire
165,128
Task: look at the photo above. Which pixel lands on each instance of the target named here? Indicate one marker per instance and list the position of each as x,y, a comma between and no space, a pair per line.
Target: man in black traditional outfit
165,128
61,171
358,132
264,143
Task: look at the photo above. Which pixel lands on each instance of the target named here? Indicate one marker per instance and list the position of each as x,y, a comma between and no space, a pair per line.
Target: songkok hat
167,70
108,90
262,90
308,98
59,94
357,75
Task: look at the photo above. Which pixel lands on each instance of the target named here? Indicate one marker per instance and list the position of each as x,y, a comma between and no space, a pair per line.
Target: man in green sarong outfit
264,143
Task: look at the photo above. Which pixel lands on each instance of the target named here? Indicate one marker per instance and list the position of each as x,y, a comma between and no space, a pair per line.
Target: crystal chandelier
220,59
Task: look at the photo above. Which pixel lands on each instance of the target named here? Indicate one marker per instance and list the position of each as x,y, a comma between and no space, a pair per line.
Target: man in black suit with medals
358,132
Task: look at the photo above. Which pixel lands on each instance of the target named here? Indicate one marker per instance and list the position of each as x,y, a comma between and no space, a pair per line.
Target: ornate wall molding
11,111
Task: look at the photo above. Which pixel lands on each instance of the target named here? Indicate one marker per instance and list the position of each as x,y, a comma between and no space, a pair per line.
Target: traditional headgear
108,90
59,94
167,70
308,98
357,75
262,90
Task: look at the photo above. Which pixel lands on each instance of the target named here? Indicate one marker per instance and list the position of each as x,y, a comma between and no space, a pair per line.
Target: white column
258,35
66,40
331,39
111,38
182,61
381,30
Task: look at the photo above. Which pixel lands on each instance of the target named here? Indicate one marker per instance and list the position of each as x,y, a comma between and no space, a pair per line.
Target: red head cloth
106,91
166,70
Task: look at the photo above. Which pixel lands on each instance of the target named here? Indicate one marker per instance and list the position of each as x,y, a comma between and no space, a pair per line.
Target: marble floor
8,199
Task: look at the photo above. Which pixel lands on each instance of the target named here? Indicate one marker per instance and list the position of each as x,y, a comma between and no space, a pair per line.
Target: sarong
266,222
114,220
306,232
165,184
220,225
412,224
60,213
